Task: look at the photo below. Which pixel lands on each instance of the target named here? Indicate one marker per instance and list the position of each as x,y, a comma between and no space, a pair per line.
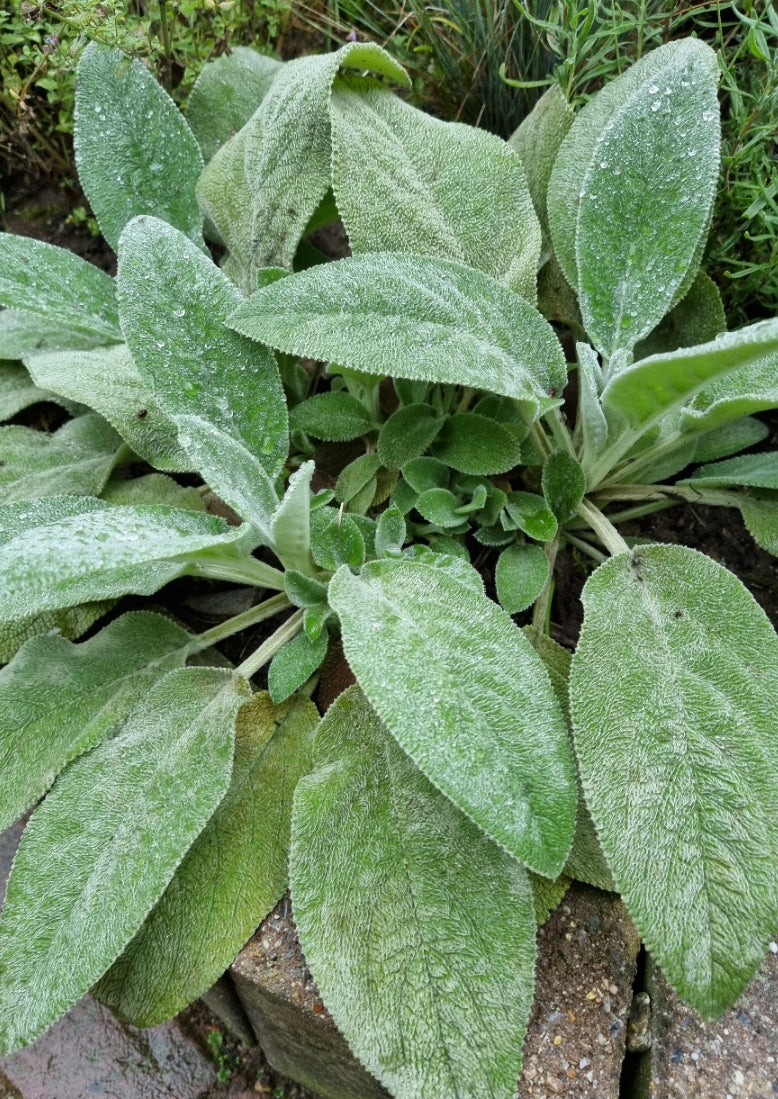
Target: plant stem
540,612
539,440
585,547
603,528
238,622
249,571
559,431
268,649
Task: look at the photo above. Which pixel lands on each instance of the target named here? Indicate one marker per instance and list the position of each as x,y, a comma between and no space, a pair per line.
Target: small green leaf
294,664
76,459
403,182
467,697
441,507
472,443
69,622
419,931
336,539
230,878
302,590
531,514
355,476
151,488
134,151
390,533
672,691
59,286
412,317
426,473
564,484
520,576
334,417
407,433
760,514
291,525
108,381
120,819
90,689
225,95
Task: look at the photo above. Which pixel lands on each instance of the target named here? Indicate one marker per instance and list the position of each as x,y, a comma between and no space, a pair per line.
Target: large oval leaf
469,700
60,287
673,691
419,930
229,879
78,549
89,690
403,182
77,458
101,848
412,317
135,153
631,192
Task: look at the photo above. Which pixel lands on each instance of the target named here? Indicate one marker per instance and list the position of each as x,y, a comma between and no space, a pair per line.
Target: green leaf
537,142
356,476
17,390
76,459
697,318
68,622
754,470
294,664
760,514
672,691
173,301
390,533
441,507
23,333
419,931
564,484
631,192
335,417
120,820
58,286
425,473
403,182
108,381
750,387
520,576
225,95
263,186
89,690
151,488
471,443
531,513
412,317
60,551
730,438
651,388
291,526
407,433
134,151
586,861
336,539
467,697
231,877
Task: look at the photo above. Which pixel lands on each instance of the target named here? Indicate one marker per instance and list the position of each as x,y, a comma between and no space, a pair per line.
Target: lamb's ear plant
476,766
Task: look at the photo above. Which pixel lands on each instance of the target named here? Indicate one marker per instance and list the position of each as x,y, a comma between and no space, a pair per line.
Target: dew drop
179,313
655,105
160,344
708,116
652,89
